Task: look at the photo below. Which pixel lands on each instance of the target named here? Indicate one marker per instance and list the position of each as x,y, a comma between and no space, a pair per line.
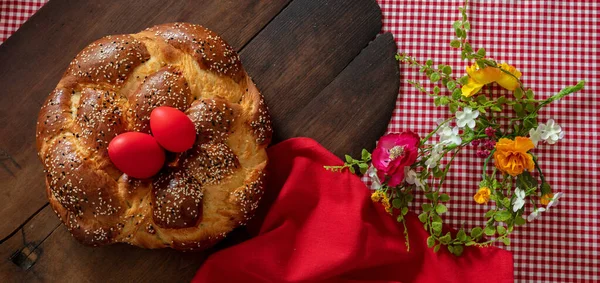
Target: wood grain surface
312,61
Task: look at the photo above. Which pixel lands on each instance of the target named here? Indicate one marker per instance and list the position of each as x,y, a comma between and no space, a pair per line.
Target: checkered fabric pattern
13,13
554,44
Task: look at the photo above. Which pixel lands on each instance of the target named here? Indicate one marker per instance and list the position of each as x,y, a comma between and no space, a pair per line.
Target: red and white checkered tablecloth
554,44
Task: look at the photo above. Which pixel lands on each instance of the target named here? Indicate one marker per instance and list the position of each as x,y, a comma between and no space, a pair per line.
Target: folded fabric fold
317,226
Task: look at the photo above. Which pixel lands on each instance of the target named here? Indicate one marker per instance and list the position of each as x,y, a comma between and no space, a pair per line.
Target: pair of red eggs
141,155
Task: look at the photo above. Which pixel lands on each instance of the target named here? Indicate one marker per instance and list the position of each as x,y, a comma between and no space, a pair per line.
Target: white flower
434,156
412,178
535,214
448,135
519,200
554,200
375,182
535,135
552,132
466,117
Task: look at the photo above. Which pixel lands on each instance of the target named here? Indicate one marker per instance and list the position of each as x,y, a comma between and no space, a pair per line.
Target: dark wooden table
323,68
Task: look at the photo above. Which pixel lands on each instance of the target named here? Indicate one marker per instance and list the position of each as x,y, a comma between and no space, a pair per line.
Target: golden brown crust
210,51
111,87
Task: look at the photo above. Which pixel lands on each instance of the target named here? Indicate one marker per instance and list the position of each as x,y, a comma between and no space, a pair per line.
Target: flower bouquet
404,162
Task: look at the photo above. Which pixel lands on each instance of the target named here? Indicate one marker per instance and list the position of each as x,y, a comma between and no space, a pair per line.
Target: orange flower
546,198
482,196
511,155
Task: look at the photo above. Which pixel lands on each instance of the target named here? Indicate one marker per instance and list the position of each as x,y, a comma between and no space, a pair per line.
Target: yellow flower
379,196
546,198
478,77
482,196
511,155
507,81
483,76
376,196
472,87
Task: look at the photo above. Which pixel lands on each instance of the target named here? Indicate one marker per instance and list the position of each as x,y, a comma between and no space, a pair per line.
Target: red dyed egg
136,154
172,129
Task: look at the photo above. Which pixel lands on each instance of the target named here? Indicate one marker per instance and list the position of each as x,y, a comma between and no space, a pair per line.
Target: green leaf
365,155
457,93
437,172
457,24
481,99
349,158
470,243
434,77
437,227
468,47
450,249
444,197
518,93
458,250
429,196
490,213
518,108
426,207
363,167
451,85
436,249
437,101
503,215
404,210
481,52
463,80
529,94
453,107
501,100
490,231
461,236
520,221
467,26
447,70
400,218
506,241
446,239
458,32
530,107
476,232
429,62
423,217
455,43
430,241
440,209
526,181
496,109
436,89
352,170
501,230
396,203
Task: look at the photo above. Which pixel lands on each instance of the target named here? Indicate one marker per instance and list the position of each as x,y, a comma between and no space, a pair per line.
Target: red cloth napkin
320,226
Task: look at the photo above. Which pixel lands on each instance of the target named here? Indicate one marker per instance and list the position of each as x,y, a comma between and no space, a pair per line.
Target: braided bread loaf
111,87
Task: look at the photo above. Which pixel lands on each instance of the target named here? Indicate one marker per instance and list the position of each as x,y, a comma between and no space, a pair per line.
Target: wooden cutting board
321,65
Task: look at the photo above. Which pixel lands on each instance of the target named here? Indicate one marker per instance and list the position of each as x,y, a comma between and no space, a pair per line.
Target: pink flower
490,132
393,153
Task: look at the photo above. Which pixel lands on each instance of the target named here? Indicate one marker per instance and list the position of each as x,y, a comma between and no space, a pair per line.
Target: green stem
537,167
485,163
